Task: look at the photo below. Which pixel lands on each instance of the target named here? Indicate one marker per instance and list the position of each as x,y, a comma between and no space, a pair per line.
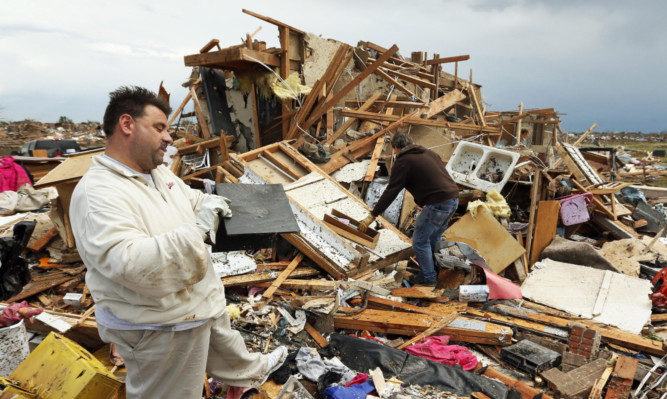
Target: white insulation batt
601,295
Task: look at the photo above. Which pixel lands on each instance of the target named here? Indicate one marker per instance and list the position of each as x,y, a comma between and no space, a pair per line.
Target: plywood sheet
622,301
485,234
73,168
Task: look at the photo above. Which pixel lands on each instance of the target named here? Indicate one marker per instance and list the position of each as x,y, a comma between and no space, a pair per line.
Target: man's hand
208,218
363,226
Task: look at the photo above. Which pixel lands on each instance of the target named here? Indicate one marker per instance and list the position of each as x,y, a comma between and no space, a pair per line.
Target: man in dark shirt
422,173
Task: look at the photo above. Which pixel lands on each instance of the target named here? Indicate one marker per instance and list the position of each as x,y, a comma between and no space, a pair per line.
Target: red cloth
436,349
359,379
12,175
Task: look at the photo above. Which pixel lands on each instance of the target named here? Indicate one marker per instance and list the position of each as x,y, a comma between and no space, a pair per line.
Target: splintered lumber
430,331
534,200
400,323
387,304
250,279
348,123
180,108
41,242
232,58
359,147
370,173
268,294
203,122
400,86
610,334
36,287
297,124
545,228
319,339
417,292
596,391
315,255
532,326
526,391
342,92
373,116
443,102
308,285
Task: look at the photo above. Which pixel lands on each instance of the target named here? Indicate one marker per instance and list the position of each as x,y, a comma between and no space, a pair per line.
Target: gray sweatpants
167,364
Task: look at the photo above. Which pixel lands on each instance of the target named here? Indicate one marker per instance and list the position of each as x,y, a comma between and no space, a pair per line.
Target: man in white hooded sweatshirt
141,232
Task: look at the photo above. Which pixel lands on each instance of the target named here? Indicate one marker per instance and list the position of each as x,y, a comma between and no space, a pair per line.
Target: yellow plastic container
59,368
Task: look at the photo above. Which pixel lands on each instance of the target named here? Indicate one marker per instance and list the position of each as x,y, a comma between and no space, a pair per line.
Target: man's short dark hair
131,100
401,140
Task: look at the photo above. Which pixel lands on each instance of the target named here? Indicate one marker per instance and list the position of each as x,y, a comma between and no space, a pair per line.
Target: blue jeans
430,225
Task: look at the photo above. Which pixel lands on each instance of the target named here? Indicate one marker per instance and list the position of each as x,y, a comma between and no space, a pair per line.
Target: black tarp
362,355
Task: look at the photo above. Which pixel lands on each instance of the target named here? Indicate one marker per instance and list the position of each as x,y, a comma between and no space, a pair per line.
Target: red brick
590,333
576,331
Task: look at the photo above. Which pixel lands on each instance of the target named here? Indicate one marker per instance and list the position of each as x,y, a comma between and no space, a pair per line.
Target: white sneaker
275,359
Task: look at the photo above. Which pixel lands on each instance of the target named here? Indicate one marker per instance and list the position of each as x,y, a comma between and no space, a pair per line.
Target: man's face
150,139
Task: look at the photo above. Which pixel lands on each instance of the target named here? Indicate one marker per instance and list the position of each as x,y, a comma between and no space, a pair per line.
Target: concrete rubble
580,232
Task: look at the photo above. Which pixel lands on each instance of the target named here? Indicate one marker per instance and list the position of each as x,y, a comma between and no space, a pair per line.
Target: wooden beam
418,121
338,96
203,122
448,59
535,191
370,173
409,78
42,241
440,104
180,108
407,324
338,160
210,45
400,86
586,133
430,331
526,391
272,21
545,228
319,339
268,294
231,58
346,125
252,279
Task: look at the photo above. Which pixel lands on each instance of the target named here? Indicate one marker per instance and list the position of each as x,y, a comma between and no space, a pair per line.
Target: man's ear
126,124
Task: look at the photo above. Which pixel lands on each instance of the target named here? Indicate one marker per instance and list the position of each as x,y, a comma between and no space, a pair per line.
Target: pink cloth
16,311
436,349
500,287
12,175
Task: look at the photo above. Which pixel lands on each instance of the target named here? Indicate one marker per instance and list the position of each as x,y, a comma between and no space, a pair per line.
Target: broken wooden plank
250,279
348,123
526,391
180,108
445,101
319,339
308,285
545,228
342,92
370,173
232,58
418,121
338,160
268,294
42,241
36,287
448,59
203,122
535,191
461,329
430,331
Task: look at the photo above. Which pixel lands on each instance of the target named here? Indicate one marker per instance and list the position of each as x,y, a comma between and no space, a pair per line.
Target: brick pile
584,341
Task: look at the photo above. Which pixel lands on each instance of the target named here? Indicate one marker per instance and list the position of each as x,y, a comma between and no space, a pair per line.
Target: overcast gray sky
593,61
